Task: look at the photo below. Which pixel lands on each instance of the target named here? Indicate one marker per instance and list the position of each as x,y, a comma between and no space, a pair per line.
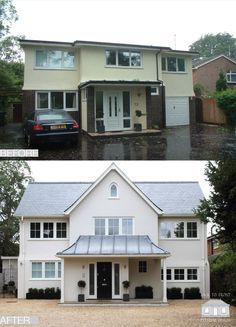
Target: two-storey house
110,231
104,84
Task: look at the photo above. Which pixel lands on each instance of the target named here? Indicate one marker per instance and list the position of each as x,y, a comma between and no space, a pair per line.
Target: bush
48,293
174,293
143,292
192,293
226,101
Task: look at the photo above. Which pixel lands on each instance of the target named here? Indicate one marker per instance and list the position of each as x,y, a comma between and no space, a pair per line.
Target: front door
104,280
113,111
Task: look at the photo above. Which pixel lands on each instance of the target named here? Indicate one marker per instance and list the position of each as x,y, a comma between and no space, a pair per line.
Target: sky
172,23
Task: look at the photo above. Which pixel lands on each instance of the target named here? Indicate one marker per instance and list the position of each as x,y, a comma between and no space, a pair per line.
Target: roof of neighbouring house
199,62
113,245
44,199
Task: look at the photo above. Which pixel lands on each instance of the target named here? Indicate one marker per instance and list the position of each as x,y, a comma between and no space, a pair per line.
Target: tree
220,208
221,83
226,101
212,45
14,175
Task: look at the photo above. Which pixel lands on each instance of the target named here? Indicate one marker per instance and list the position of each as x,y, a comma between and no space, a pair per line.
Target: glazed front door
104,280
113,111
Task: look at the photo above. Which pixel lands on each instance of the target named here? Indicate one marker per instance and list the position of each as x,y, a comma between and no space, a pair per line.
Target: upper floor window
231,77
173,64
113,226
113,191
178,229
123,58
46,230
34,230
55,59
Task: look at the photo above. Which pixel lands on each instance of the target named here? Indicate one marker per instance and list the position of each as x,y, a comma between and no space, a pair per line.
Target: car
51,125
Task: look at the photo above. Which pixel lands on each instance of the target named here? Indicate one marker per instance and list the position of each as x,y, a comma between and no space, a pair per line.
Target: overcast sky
151,22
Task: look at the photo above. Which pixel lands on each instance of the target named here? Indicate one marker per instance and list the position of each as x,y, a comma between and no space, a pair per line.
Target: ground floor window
117,278
142,266
176,274
56,100
91,279
46,270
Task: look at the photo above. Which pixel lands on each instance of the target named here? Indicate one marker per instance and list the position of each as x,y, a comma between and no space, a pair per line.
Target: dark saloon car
50,126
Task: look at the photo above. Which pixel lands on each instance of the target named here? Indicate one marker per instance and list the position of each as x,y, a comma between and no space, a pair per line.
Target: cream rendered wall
33,250
98,204
49,79
93,67
150,278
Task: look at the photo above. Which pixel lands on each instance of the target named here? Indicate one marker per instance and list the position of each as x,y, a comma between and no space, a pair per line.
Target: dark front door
104,280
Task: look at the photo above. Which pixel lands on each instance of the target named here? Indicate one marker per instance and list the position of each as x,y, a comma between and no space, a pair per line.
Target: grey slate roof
45,199
113,245
203,60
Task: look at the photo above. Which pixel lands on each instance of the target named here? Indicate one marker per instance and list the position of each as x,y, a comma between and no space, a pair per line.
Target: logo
215,308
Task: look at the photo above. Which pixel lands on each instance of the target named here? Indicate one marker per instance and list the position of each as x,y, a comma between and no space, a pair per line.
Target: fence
208,111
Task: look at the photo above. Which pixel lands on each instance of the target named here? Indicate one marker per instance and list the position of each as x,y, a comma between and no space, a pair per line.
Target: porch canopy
120,82
114,245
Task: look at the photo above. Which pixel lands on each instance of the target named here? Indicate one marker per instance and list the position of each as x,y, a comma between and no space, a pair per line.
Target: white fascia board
178,215
106,172
51,216
9,258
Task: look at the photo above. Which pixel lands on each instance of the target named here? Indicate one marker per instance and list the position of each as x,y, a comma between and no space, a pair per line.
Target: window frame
107,225
40,228
130,51
164,65
64,93
47,66
229,76
142,266
172,234
110,191
185,280
42,238
43,263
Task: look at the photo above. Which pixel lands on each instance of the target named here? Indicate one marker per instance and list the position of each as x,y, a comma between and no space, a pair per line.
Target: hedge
40,293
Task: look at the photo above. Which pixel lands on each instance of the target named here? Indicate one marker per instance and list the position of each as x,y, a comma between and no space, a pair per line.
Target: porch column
62,281
164,281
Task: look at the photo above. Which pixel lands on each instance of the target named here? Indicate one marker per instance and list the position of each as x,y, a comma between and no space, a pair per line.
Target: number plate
58,127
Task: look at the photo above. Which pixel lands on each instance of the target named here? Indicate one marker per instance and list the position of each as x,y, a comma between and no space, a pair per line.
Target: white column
62,281
164,281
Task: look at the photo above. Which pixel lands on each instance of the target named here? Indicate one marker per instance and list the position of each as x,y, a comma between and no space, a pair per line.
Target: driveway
198,142
177,313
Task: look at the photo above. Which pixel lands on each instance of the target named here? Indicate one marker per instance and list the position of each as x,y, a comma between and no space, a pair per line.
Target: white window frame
185,230
47,60
155,92
64,99
146,265
229,77
124,50
117,191
116,296
43,262
177,71
185,280
94,296
35,222
120,224
54,231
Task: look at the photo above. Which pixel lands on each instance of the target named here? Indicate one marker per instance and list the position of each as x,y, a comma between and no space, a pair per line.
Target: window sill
182,281
46,279
113,198
180,239
51,68
167,72
48,239
65,109
124,67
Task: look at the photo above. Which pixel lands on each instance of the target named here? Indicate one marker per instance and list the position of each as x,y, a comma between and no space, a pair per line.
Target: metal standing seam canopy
118,245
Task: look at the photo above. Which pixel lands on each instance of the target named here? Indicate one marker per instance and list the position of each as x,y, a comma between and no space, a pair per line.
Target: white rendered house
110,231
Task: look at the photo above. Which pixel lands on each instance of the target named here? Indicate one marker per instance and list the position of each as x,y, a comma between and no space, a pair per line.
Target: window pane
163,63
117,278
34,230
42,100
49,269
179,274
36,269
111,57
113,226
113,193
57,100
127,226
171,64
70,100
168,274
135,59
191,229
41,58
181,65
123,58
99,226
59,270
68,59
91,279
61,230
166,229
55,59
192,274
99,104
126,123
126,104
142,266
48,230
179,229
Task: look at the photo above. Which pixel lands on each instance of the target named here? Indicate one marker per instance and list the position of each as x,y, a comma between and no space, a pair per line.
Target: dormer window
113,191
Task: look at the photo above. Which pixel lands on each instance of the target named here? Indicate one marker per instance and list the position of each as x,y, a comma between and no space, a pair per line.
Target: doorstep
116,303
145,132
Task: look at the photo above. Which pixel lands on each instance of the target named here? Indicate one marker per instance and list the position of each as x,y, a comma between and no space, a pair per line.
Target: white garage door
177,111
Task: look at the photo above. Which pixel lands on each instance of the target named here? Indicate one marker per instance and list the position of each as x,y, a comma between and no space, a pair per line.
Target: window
126,110
179,274
100,226
191,229
59,269
117,278
123,58
168,274
127,226
61,230
113,226
36,269
192,274
56,100
179,230
47,230
34,230
50,270
113,191
154,90
173,64
142,266
55,59
99,105
166,228
231,77
91,279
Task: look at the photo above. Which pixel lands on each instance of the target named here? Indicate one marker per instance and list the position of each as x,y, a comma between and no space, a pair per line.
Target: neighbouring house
215,308
110,231
206,71
104,84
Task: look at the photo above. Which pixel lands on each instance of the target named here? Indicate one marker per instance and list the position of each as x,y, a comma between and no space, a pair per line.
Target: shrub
11,283
198,89
174,293
48,293
192,293
125,284
143,292
221,83
226,101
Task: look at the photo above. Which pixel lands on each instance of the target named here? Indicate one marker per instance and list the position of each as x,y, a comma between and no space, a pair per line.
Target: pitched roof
199,62
113,245
53,199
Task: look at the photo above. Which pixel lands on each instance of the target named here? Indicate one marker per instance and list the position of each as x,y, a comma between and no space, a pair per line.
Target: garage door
177,111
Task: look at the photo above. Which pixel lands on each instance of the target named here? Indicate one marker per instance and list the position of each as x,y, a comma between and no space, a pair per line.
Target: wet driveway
199,142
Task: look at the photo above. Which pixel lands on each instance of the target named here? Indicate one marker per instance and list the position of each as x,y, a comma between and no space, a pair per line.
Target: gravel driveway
178,313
